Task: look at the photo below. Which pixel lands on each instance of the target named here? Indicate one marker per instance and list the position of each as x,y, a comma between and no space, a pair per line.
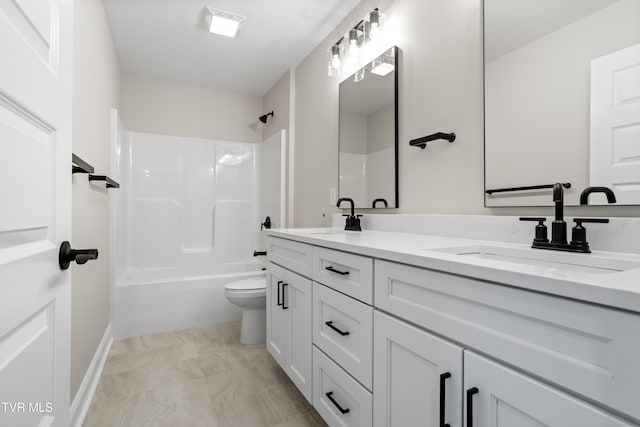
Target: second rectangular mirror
368,135
562,99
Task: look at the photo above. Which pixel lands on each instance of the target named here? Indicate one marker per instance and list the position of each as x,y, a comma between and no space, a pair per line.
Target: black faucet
353,220
266,224
584,196
559,226
383,201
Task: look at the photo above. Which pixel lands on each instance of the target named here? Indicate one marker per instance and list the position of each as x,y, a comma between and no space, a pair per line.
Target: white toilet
251,296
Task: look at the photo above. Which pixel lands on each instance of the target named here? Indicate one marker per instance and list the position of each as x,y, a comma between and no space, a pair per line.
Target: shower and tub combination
187,223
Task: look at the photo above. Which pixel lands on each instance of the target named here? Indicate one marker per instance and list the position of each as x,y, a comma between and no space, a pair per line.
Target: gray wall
171,108
440,89
96,89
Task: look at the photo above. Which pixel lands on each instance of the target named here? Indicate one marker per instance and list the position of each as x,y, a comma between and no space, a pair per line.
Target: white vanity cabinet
397,345
417,376
289,325
496,396
583,348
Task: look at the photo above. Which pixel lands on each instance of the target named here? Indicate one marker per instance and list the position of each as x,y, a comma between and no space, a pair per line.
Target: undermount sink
584,263
315,231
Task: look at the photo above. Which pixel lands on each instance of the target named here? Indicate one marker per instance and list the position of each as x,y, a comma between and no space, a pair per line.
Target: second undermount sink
576,262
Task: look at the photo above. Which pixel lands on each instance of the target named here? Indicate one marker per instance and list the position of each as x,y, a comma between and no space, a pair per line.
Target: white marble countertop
619,289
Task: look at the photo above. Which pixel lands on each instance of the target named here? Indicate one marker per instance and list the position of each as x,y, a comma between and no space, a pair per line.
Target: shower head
263,119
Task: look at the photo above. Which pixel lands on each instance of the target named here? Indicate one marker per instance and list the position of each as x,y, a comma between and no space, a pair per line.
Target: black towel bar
110,183
530,187
80,166
422,142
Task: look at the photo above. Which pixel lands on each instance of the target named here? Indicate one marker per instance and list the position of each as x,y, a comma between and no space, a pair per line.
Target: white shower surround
187,222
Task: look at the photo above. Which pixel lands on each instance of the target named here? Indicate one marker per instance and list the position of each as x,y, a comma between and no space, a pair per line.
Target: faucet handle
579,221
579,233
541,229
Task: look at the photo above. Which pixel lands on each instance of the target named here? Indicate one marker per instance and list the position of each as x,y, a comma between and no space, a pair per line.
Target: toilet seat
255,284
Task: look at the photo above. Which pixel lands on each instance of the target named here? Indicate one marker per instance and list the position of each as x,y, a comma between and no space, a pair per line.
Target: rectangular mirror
368,137
562,99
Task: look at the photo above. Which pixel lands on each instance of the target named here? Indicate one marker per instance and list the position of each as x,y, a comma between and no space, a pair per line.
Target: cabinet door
417,376
276,316
502,397
297,305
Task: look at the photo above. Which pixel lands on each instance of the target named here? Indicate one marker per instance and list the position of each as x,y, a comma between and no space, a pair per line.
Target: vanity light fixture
348,50
224,23
383,64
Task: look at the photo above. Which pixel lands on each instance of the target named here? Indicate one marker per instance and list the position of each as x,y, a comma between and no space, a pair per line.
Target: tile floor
196,377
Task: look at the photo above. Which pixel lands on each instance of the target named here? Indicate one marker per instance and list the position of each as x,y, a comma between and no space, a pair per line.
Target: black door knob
80,256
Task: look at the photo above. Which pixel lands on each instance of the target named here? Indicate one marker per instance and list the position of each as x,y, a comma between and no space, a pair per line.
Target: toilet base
254,326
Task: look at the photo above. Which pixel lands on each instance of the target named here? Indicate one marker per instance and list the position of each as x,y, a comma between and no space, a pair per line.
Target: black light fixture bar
529,187
422,142
80,166
110,183
355,27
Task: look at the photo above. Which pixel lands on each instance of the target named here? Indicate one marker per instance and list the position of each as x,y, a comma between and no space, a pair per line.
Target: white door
35,211
615,124
297,304
501,397
417,377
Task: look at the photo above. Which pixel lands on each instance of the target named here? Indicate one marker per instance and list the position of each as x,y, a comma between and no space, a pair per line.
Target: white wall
440,89
96,88
170,108
279,99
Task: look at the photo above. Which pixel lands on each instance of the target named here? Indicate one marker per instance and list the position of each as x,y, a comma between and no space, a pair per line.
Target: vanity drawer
347,273
337,397
590,349
295,256
343,328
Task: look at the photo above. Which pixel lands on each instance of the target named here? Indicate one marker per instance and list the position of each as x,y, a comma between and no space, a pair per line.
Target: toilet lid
247,284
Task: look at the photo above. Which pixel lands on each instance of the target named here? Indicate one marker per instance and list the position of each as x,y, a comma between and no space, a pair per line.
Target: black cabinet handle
279,283
330,324
443,406
80,256
337,405
284,307
470,393
333,270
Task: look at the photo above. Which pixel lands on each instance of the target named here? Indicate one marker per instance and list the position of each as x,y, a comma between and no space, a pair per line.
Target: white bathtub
147,303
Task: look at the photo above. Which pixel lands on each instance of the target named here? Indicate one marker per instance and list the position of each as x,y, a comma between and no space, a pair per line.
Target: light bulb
353,36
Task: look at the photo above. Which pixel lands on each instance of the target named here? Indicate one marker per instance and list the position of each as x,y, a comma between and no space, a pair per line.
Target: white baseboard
83,398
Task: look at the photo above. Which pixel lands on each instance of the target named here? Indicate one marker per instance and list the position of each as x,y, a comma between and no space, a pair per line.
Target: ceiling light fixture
223,22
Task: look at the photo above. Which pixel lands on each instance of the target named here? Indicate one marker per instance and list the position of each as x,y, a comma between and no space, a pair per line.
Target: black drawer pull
333,270
330,324
470,393
284,307
443,406
279,283
337,405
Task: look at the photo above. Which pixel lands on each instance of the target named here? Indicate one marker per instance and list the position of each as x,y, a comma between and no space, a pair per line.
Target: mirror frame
396,56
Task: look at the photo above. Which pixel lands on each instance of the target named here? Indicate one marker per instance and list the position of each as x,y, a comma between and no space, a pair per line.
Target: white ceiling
168,39
509,24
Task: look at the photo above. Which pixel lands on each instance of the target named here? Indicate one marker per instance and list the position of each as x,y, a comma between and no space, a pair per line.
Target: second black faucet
353,220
